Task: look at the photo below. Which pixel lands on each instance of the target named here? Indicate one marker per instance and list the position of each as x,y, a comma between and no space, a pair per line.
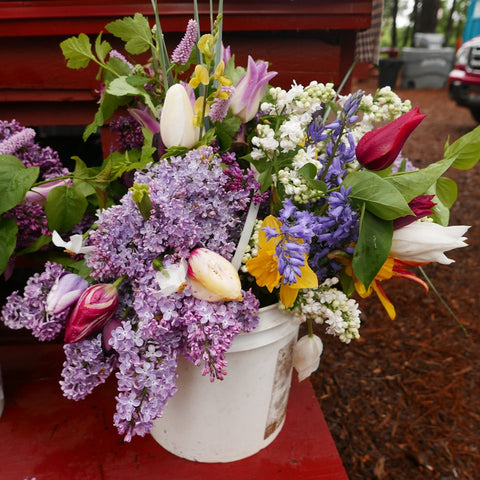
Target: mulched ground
403,402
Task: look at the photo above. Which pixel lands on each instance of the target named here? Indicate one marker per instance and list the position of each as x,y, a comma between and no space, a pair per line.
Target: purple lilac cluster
219,108
129,133
182,52
28,311
146,379
19,141
85,367
192,206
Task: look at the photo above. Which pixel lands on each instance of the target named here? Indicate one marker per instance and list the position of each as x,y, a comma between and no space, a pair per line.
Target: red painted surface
303,39
46,436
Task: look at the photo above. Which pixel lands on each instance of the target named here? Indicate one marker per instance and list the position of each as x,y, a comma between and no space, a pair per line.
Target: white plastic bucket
234,418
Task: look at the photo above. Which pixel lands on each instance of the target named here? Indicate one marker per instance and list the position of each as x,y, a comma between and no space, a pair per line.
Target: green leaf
446,191
36,245
102,48
348,287
372,248
107,107
415,183
15,181
135,31
77,51
379,196
309,170
226,130
265,178
465,152
64,208
8,240
122,86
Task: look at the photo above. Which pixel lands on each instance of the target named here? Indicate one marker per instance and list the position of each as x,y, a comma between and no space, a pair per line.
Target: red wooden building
303,39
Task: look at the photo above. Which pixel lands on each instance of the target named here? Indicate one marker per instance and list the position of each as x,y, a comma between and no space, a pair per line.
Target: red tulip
94,308
379,148
421,206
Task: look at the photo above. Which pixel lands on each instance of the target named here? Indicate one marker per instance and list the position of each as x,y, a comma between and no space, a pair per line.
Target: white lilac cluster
331,306
384,106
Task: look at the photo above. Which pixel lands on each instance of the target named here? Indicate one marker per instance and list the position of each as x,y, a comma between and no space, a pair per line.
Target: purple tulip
378,149
94,308
39,194
250,90
64,293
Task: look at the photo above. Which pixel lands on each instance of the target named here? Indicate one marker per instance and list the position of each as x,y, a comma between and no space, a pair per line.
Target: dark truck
464,79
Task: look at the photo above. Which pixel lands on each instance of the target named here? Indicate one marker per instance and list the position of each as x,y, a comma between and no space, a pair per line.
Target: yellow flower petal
264,268
288,295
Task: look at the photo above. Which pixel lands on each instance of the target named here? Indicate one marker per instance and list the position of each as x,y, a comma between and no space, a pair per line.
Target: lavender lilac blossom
85,367
182,52
29,311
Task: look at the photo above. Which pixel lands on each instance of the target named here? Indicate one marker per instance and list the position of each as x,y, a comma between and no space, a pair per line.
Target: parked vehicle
464,79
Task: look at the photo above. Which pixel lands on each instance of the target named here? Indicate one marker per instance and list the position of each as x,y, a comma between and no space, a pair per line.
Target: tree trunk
394,22
427,21
448,28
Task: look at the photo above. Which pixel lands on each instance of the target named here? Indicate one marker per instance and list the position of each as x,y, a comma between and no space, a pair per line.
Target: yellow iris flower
264,267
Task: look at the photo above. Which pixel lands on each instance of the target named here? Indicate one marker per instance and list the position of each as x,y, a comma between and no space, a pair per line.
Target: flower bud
64,293
39,194
177,120
306,355
107,330
212,277
379,148
250,90
94,308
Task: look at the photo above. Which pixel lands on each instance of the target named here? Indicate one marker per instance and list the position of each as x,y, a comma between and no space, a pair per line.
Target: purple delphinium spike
17,141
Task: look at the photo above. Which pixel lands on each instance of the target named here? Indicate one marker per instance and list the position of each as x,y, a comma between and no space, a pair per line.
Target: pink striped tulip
94,308
378,149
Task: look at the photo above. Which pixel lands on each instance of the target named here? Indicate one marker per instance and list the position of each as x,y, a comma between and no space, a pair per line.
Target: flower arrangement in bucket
225,195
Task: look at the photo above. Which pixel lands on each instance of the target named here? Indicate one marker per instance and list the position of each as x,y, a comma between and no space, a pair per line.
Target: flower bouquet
225,195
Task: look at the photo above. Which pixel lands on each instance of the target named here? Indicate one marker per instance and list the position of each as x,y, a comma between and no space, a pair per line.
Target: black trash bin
389,69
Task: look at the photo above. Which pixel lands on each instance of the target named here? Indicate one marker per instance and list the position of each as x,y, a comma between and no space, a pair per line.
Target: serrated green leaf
15,181
64,208
372,248
102,48
122,87
226,130
8,240
77,51
465,151
135,31
379,196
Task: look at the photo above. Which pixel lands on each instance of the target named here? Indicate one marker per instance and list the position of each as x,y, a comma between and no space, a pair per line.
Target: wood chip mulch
403,402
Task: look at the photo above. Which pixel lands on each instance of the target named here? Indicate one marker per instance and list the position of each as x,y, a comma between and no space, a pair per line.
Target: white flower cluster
384,106
329,305
251,250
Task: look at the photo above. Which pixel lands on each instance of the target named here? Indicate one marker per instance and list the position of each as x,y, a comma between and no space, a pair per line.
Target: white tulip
176,121
306,355
212,277
426,242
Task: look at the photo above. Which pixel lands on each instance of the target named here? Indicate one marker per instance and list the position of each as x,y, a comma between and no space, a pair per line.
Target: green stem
118,281
442,300
310,327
